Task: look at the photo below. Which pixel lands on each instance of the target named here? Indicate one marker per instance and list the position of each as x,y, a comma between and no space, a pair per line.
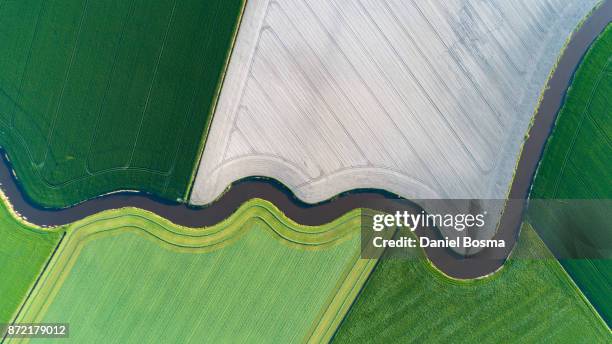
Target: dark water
449,262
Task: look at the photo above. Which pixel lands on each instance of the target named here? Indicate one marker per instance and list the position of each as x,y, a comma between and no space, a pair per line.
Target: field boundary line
211,113
565,274
342,301
34,286
290,232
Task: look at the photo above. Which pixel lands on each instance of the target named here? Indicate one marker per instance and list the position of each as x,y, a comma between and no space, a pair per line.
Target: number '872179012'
31,330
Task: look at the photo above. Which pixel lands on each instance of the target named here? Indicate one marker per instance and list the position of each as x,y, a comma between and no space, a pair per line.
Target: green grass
129,276
98,96
531,299
24,251
576,165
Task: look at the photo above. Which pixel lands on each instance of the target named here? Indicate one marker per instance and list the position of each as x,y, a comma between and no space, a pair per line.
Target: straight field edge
34,286
580,294
350,288
215,102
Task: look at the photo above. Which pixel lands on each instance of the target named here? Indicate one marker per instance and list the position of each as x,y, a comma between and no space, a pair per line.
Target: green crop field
129,276
576,166
105,95
531,299
24,251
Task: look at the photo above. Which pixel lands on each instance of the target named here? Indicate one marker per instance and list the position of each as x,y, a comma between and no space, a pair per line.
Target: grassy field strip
342,301
251,219
176,235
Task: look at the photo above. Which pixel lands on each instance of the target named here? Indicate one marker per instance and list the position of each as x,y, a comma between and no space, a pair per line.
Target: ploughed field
24,251
575,168
426,99
529,300
98,96
127,276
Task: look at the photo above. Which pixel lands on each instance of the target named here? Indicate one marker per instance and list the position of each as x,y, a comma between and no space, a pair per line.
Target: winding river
452,264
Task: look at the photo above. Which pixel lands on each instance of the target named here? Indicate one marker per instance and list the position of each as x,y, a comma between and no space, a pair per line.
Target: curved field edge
538,106
54,167
576,105
574,166
529,299
254,214
217,235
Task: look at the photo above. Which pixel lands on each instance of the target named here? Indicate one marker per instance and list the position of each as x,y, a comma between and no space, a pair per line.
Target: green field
105,95
530,299
129,276
576,165
24,251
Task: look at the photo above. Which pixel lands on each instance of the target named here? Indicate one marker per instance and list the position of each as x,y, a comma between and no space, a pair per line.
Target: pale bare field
427,99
